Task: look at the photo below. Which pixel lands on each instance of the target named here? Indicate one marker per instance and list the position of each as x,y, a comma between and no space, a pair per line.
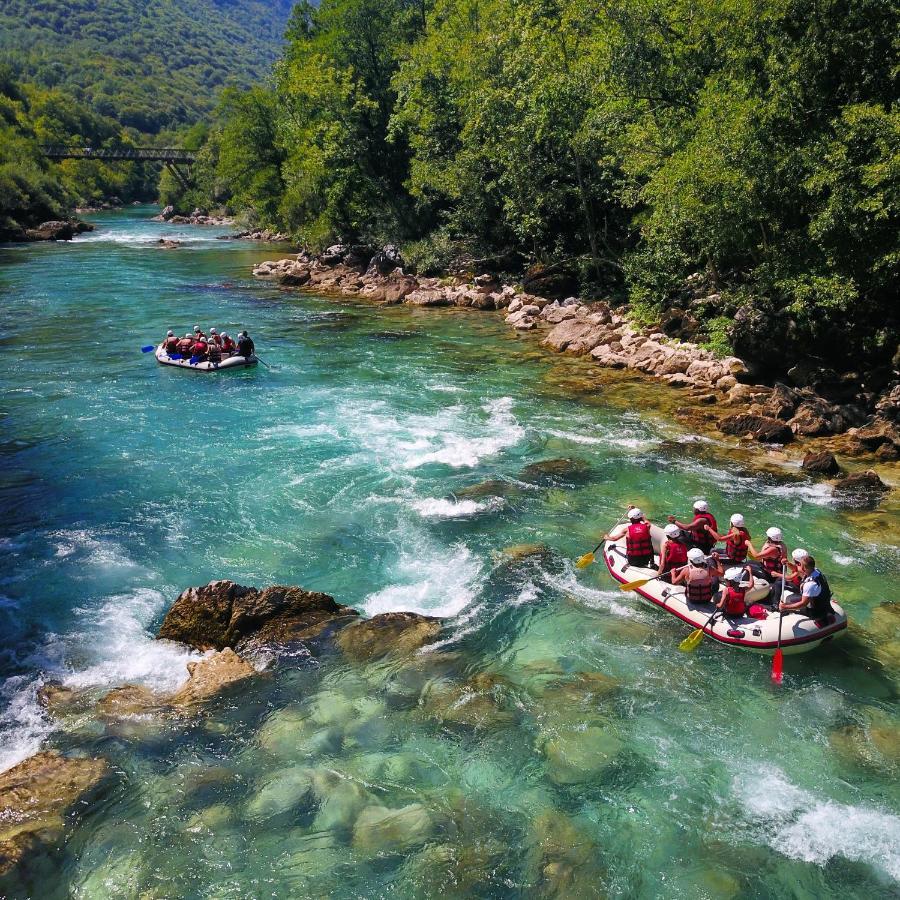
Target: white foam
605,440
90,549
607,600
116,646
23,724
804,826
529,593
843,560
429,580
434,508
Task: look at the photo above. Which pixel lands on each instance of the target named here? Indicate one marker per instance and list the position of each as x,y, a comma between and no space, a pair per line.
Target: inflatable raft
799,633
232,361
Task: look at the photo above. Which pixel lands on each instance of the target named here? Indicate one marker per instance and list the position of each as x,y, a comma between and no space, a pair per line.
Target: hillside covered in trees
732,166
149,64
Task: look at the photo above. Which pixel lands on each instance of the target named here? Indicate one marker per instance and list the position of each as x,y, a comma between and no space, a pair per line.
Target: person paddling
228,344
673,554
733,600
245,346
700,527
815,593
773,554
200,348
700,577
214,337
638,543
186,345
198,333
170,344
794,577
214,352
737,539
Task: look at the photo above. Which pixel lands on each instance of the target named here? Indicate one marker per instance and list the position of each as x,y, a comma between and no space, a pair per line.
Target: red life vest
773,564
699,591
200,348
228,345
701,536
637,541
735,605
736,545
216,339
676,555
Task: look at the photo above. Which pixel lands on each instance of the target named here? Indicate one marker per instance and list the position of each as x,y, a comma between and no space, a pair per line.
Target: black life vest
819,607
245,347
736,545
638,544
699,591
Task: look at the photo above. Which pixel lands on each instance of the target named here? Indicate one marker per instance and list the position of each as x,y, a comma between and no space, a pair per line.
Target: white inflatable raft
799,633
232,361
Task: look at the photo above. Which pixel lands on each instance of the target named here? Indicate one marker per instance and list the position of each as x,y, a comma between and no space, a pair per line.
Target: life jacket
819,607
215,353
171,344
245,346
774,564
676,555
702,538
228,345
735,604
638,544
185,345
200,348
697,592
216,339
736,545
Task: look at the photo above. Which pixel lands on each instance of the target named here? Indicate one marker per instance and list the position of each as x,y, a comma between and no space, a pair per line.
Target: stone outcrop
197,217
224,614
63,230
860,488
820,463
34,797
387,634
211,675
761,428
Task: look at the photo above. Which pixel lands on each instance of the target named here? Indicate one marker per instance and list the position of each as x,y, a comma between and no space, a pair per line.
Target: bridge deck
148,154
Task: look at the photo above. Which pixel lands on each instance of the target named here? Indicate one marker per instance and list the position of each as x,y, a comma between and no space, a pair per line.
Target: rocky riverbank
820,413
56,230
197,217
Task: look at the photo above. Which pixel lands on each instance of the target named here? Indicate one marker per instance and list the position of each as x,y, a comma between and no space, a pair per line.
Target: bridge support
180,176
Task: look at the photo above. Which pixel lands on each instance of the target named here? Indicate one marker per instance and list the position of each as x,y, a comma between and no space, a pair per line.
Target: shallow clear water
554,744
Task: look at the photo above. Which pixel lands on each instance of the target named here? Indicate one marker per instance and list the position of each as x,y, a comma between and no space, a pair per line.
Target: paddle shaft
778,659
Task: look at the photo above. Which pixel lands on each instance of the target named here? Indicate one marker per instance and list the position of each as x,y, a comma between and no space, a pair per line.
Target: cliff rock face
34,796
224,614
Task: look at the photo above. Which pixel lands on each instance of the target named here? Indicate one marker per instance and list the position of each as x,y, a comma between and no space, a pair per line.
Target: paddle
692,641
584,561
778,658
148,348
262,360
634,585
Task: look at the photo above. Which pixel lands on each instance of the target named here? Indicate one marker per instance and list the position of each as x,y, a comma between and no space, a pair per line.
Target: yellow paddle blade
584,561
691,641
634,585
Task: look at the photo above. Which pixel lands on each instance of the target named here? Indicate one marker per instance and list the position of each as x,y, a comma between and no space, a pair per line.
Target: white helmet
189,335
701,506
737,520
672,530
634,513
799,554
213,331
696,555
196,328
735,573
170,333
773,534
224,334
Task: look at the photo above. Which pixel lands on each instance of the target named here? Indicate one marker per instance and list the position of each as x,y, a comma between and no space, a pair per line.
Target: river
601,761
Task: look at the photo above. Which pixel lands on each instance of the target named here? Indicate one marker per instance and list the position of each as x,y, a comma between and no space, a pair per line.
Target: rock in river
555,471
209,676
224,614
34,796
395,633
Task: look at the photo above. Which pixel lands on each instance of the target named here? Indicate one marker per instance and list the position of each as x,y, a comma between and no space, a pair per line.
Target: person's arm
697,521
616,533
715,534
680,575
663,553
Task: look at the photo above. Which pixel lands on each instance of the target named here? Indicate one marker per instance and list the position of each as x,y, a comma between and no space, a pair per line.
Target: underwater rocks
381,829
556,471
211,675
860,489
224,614
34,797
393,633
577,755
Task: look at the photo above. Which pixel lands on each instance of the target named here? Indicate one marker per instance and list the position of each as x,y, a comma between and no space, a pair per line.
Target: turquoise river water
554,743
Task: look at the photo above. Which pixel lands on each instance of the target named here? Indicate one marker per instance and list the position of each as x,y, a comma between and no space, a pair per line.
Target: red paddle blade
778,667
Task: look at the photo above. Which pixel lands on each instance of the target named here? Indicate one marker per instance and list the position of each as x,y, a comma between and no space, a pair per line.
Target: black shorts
642,562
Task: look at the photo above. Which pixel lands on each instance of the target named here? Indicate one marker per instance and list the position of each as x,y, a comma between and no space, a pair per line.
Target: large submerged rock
34,797
393,633
224,614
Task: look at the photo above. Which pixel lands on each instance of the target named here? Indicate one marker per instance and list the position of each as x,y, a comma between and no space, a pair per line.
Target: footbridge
172,157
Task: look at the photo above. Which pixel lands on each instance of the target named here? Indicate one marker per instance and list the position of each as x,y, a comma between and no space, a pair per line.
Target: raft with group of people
205,353
764,600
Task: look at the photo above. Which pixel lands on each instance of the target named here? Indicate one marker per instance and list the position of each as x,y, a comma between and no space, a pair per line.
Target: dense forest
733,165
151,65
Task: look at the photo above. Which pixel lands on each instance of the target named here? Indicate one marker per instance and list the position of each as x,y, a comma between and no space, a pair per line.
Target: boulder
575,335
167,213
57,231
861,486
781,402
581,755
555,471
34,797
487,283
128,700
385,261
388,634
760,428
380,829
821,463
334,255
224,614
888,404
166,244
359,256
296,276
878,433
428,296
210,675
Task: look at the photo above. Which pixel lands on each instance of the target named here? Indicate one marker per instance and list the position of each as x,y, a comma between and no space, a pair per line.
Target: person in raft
698,528
737,580
638,545
186,345
214,337
794,577
815,594
673,554
737,539
213,352
228,344
700,577
170,342
198,333
245,345
200,348
773,554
